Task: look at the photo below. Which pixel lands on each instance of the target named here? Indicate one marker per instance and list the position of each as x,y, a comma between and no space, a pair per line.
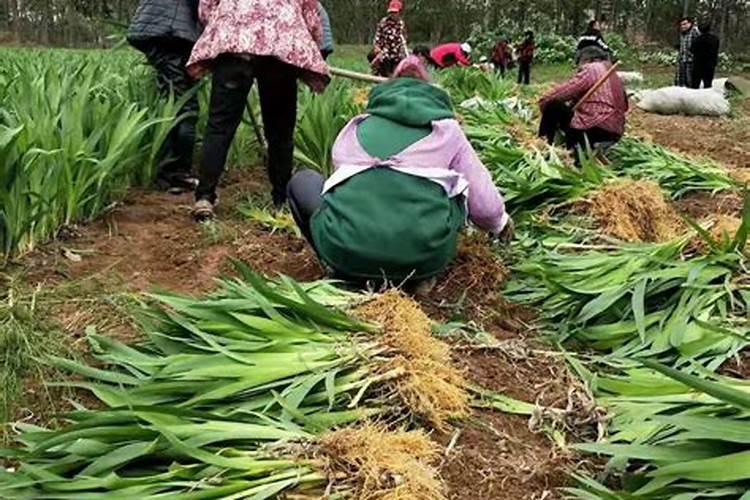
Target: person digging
588,110
405,178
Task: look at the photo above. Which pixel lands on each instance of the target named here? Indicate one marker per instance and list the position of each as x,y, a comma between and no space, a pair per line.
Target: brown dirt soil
699,206
725,140
149,241
470,288
498,456
738,367
634,211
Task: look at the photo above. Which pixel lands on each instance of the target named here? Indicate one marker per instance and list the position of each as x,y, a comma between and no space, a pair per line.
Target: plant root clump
476,272
634,211
431,386
378,464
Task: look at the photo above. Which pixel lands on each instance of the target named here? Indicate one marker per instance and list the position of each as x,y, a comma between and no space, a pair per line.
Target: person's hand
507,234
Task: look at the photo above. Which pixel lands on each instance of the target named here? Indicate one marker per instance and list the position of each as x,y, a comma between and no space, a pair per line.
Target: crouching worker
598,120
404,178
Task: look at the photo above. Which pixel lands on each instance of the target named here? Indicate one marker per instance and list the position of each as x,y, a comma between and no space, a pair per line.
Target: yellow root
635,211
383,465
432,387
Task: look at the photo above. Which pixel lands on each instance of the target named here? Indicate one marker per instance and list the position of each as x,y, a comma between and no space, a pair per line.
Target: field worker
592,38
274,42
389,47
599,119
705,57
165,31
451,54
423,52
688,34
326,40
502,56
405,176
525,57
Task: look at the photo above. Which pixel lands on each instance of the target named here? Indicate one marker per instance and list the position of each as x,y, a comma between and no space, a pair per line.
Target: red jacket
440,53
526,52
502,54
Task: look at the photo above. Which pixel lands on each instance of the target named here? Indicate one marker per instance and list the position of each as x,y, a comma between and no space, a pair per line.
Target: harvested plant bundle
539,178
237,394
675,174
674,435
641,299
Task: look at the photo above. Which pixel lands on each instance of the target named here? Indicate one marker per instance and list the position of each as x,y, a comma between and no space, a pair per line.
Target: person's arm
462,59
205,9
326,44
602,44
486,204
574,88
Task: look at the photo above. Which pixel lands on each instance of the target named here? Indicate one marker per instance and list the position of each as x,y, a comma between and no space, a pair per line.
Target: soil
722,139
149,241
700,206
499,456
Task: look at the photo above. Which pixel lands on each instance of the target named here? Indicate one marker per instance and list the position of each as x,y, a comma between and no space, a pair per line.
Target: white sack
680,100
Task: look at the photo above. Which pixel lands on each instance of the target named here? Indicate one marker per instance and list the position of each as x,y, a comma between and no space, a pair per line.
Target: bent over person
274,42
598,119
405,179
165,31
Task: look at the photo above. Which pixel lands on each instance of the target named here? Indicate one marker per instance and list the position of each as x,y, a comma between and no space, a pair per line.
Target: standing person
405,179
705,51
326,41
601,118
165,31
592,38
451,54
685,59
390,41
502,56
525,57
274,42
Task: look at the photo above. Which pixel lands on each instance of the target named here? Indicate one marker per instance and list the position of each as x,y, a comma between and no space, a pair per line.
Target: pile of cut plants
259,388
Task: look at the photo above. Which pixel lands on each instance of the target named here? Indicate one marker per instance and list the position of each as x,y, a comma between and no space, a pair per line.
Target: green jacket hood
410,102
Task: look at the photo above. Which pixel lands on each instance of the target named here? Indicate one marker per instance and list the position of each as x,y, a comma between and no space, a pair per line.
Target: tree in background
89,22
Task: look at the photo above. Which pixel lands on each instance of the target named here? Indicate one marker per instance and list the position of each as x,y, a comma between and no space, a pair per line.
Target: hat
395,6
466,47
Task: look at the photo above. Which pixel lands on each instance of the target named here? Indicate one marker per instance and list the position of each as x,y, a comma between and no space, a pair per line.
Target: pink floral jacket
286,29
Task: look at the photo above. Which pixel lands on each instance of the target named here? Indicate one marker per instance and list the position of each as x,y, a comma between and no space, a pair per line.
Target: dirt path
149,241
726,140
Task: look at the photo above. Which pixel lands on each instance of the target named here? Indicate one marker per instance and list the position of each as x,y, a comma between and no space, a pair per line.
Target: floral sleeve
312,19
205,9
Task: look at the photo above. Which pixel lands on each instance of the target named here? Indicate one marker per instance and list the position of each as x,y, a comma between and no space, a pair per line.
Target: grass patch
27,337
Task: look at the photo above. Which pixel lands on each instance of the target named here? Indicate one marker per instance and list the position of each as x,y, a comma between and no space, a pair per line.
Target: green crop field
270,386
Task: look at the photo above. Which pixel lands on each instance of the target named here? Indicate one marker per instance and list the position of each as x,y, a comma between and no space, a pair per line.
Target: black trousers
557,117
703,74
501,68
304,192
233,77
524,73
169,57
